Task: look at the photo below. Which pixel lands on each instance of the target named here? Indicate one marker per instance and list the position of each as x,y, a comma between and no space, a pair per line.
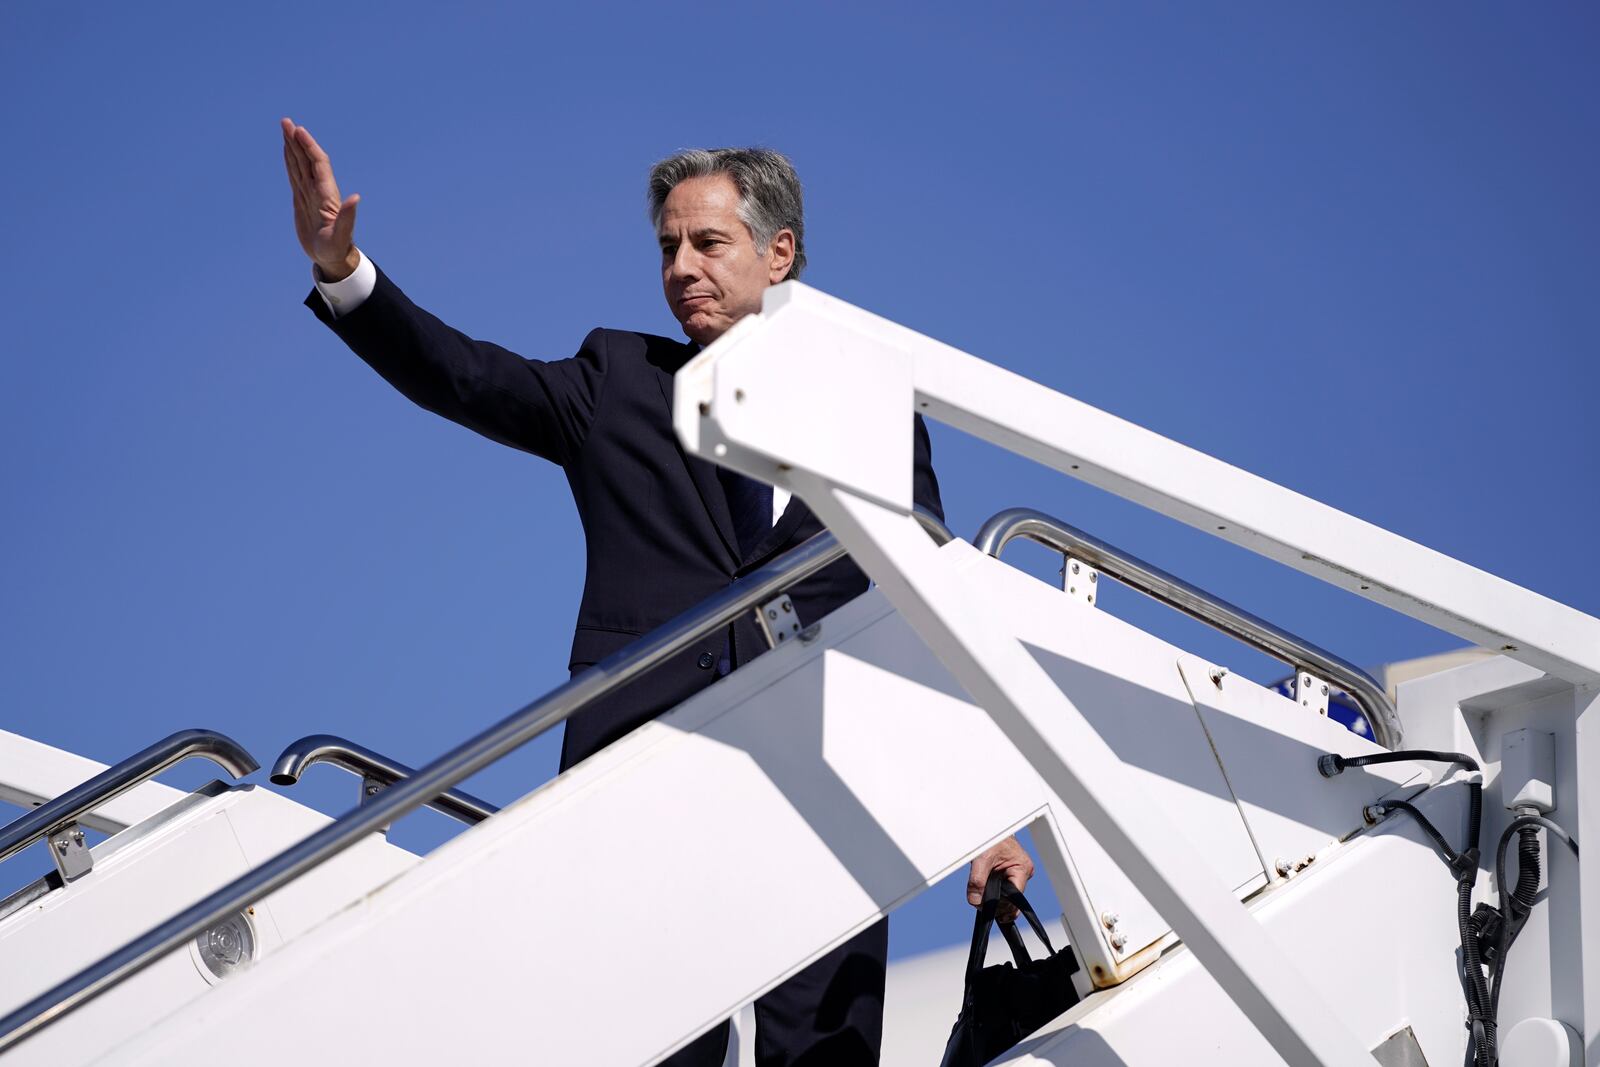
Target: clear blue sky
1349,247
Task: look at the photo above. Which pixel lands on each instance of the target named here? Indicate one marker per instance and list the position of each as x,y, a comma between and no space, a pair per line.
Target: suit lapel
703,474
794,513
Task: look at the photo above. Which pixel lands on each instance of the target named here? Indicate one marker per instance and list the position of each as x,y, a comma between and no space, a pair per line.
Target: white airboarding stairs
1228,903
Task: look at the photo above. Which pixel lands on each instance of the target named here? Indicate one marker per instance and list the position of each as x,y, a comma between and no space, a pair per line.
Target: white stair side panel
1372,927
145,875
1268,746
681,873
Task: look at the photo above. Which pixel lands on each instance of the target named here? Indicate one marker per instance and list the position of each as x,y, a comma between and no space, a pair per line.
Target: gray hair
769,191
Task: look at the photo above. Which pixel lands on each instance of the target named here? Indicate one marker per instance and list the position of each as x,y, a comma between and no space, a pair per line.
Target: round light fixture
226,945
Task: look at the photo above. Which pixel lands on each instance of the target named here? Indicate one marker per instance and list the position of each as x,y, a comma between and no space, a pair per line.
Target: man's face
710,270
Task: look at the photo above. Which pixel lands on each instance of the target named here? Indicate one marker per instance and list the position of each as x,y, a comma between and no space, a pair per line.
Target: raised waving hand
323,221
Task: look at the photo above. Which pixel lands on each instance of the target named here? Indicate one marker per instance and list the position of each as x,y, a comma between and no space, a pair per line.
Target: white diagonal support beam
1077,764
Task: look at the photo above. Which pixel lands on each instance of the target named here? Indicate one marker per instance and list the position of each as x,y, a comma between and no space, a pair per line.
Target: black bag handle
996,889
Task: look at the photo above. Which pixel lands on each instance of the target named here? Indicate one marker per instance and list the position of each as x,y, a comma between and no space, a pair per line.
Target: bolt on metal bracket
779,620
371,786
69,852
1080,580
1311,692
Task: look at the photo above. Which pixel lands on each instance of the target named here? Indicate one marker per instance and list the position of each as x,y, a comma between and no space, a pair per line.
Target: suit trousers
828,1015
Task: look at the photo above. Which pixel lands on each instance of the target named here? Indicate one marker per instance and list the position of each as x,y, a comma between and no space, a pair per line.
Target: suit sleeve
925,483
543,407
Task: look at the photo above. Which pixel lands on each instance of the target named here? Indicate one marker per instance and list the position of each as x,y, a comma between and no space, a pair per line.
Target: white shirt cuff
343,297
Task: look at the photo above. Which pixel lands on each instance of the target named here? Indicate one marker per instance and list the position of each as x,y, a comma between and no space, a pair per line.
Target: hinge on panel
1080,580
71,855
1310,691
779,621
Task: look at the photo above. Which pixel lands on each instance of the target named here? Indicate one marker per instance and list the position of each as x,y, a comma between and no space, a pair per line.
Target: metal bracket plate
70,853
1080,580
779,620
1310,691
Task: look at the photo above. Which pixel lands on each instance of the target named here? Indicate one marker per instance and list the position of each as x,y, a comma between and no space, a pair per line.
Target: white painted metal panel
1269,746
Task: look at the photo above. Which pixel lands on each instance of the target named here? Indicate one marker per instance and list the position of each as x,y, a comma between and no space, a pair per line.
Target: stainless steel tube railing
358,759
1208,608
117,779
443,773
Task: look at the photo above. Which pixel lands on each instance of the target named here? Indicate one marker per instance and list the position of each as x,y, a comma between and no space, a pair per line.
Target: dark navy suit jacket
656,523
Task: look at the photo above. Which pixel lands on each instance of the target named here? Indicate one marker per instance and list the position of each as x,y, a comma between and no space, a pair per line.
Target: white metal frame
752,401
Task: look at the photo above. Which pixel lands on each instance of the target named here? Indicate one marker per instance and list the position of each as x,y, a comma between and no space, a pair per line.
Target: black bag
1002,1005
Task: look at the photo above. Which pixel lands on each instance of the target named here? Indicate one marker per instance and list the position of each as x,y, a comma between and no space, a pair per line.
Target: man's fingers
1008,856
303,161
318,163
344,227
297,180
978,878
1018,875
302,166
302,214
313,149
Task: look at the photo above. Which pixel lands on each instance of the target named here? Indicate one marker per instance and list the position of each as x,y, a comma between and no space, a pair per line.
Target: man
663,530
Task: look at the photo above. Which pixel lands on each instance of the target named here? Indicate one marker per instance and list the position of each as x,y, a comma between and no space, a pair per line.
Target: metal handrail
443,773
360,760
117,779
1173,591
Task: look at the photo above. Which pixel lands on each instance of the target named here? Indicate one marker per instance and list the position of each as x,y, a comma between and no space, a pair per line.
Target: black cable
1480,1046
1464,865
1520,898
1451,856
1332,763
1529,820
1466,872
1482,999
1527,887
